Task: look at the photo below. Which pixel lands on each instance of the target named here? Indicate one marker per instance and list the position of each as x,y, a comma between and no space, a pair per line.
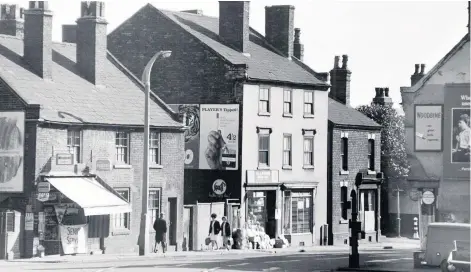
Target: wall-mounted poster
12,131
428,127
456,154
192,135
219,136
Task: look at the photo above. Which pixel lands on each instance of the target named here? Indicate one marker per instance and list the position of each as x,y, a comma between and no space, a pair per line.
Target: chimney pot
378,92
91,42
279,28
336,62
297,33
298,48
416,69
422,69
11,20
386,92
344,61
234,23
38,38
382,97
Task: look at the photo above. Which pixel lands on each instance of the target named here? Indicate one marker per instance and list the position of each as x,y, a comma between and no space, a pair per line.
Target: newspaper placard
74,238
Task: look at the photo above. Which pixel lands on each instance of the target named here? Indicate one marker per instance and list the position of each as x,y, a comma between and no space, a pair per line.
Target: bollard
416,228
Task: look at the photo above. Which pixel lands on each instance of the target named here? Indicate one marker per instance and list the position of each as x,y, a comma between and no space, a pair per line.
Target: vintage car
439,243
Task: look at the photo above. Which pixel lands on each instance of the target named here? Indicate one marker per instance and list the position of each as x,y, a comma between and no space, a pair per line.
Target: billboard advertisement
456,153
12,133
428,127
212,138
219,130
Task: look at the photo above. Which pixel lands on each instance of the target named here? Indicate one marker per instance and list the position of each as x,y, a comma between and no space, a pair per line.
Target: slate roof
340,114
69,98
263,63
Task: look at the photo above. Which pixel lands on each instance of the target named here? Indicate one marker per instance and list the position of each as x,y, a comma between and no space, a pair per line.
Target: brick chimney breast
69,33
38,38
234,25
340,81
11,20
417,74
92,42
298,47
279,28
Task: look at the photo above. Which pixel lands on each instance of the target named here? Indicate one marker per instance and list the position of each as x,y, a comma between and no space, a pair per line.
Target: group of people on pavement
215,228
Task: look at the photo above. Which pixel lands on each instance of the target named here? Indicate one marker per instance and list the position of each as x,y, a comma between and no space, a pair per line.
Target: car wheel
444,266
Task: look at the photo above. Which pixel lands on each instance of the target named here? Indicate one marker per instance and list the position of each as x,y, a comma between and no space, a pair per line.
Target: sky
383,39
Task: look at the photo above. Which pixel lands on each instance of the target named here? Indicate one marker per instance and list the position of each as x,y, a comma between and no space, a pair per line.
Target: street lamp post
144,227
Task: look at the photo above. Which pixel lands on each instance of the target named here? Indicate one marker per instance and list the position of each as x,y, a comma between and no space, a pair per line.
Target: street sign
44,187
103,165
428,197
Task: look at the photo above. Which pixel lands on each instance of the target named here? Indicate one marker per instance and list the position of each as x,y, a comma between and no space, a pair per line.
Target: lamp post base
144,236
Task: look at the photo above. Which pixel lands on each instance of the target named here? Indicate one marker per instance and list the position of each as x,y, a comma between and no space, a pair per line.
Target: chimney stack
340,81
382,97
91,41
298,47
279,28
234,23
11,20
38,38
417,74
69,33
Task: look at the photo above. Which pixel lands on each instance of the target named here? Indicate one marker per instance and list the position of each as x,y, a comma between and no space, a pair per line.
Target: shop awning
89,194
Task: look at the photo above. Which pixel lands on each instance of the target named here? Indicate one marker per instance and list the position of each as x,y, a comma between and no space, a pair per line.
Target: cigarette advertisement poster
191,112
456,153
219,137
428,127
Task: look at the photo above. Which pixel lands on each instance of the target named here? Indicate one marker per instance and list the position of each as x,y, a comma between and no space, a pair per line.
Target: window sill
156,166
342,222
308,167
264,114
288,115
263,167
287,167
308,115
371,172
122,166
119,232
343,172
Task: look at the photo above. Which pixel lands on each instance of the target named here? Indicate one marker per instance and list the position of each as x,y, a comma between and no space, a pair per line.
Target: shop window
256,208
287,101
264,147
344,201
122,147
154,204
308,151
287,150
308,103
10,221
154,147
344,153
122,220
371,154
264,100
74,143
297,210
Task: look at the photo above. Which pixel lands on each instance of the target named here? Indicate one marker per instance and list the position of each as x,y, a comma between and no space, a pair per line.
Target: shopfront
73,214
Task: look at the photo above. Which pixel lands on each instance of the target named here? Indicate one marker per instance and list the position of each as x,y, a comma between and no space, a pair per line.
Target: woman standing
214,228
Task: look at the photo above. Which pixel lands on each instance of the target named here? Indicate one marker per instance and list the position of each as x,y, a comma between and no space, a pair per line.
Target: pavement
374,257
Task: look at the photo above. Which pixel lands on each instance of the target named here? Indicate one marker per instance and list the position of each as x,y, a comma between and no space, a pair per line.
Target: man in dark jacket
160,227
226,233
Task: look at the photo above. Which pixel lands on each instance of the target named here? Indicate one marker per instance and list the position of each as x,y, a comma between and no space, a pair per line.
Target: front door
172,215
367,210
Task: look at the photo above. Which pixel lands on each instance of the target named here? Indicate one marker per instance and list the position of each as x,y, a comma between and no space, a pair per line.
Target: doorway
367,210
172,215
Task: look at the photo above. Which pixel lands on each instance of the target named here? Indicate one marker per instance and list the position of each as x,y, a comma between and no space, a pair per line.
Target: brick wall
99,143
357,159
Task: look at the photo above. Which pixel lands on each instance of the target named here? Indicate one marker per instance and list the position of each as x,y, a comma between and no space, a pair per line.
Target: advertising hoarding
428,127
12,132
456,153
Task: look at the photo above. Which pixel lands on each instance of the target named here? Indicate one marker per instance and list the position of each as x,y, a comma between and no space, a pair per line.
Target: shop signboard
456,151
103,165
211,186
12,130
428,127
74,238
64,159
262,176
44,187
43,197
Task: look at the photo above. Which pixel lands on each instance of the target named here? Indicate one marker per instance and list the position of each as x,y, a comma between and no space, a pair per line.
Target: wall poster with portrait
456,154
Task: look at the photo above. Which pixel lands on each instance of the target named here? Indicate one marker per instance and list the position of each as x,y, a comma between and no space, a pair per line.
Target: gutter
41,120
323,87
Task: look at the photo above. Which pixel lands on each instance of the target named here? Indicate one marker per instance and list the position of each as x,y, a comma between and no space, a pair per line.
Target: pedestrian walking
160,227
226,233
214,228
